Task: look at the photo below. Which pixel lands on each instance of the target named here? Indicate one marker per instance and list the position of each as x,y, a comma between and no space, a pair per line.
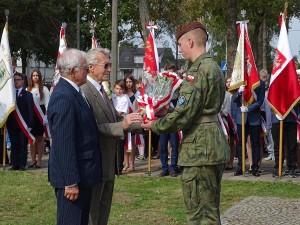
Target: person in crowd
226,114
17,137
111,127
41,97
14,67
264,76
139,138
289,141
74,162
172,137
120,100
205,150
129,150
252,126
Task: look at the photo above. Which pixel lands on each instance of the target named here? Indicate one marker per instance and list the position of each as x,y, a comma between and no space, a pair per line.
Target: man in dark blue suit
252,126
74,163
18,139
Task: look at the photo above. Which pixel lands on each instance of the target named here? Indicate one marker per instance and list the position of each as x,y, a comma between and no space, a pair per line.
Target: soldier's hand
130,119
147,125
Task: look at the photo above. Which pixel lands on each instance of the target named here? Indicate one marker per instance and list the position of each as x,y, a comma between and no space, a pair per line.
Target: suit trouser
289,140
73,212
254,132
101,203
201,188
19,141
164,138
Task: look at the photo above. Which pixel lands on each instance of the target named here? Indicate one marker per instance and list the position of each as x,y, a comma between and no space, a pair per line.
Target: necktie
85,99
17,93
105,97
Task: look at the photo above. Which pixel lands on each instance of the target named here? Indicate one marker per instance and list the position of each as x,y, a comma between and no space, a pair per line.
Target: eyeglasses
105,65
17,79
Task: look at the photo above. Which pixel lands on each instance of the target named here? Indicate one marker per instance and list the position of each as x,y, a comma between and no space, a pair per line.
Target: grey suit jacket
109,127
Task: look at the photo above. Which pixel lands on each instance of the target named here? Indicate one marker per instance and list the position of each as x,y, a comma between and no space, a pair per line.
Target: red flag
62,48
151,64
244,64
284,92
251,77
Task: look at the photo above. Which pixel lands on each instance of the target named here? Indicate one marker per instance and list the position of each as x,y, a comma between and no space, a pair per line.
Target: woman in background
41,97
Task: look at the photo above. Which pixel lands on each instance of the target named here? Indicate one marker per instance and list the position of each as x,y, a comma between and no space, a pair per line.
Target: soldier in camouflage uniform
205,150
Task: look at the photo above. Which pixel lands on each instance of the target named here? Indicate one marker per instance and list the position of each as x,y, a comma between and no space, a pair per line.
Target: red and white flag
284,91
62,48
245,64
151,64
94,42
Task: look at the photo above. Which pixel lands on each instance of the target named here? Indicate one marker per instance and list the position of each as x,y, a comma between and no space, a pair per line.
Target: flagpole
281,121
6,12
280,149
149,153
243,13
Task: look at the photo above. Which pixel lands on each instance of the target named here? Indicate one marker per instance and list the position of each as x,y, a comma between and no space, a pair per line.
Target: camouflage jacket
202,95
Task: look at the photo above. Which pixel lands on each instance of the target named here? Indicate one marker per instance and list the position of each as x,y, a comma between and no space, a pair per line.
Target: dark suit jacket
25,105
110,129
253,115
74,156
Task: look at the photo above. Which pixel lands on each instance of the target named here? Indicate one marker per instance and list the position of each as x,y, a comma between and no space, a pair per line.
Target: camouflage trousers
201,188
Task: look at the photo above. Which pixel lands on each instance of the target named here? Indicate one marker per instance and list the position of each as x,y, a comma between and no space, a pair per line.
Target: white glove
244,109
241,89
45,121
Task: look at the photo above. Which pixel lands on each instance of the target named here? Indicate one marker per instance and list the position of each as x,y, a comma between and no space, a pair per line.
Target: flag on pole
245,64
94,42
151,64
284,91
62,48
7,87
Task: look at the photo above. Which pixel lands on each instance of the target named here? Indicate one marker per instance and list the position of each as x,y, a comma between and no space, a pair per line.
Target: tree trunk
114,43
144,15
231,34
264,49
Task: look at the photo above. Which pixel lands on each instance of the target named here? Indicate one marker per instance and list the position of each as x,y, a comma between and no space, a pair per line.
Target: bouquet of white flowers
157,91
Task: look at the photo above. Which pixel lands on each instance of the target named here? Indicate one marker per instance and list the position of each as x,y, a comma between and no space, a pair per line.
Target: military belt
208,118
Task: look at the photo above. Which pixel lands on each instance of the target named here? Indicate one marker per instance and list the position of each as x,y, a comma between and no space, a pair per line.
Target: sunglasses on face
105,65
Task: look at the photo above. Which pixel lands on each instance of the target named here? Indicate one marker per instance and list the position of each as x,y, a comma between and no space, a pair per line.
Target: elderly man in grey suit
74,162
111,127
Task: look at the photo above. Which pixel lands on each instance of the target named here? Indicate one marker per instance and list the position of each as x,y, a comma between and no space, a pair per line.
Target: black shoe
173,173
275,174
286,172
255,173
164,173
293,174
22,168
14,168
238,173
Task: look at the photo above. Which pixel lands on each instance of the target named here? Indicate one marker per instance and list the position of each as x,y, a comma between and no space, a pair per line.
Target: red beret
188,27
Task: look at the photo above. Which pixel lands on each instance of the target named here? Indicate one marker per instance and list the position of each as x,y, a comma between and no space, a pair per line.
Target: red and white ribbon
39,112
23,125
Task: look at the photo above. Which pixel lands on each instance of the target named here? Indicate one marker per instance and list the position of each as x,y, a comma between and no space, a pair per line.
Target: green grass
27,198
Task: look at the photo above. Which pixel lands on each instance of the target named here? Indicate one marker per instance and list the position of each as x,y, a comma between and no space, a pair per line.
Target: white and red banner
23,126
62,48
284,91
7,87
42,117
151,63
244,71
